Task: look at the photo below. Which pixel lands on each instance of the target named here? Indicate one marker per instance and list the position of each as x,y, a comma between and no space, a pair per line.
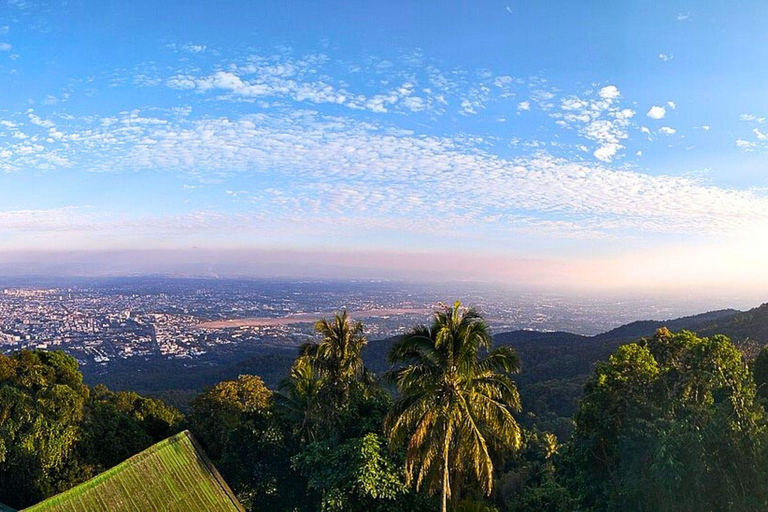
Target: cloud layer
363,177
278,149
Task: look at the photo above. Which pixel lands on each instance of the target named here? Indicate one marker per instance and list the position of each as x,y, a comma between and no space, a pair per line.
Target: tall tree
669,424
42,399
325,376
455,407
338,356
760,372
336,411
119,424
218,411
299,400
55,432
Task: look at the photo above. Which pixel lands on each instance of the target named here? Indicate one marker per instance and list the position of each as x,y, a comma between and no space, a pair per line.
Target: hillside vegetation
445,417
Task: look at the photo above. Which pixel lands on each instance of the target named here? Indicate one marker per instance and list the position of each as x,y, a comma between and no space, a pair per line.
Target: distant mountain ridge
642,328
555,364
532,345
749,329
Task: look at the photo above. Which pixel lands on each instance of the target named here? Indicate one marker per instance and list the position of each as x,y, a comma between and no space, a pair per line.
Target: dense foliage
672,422
55,432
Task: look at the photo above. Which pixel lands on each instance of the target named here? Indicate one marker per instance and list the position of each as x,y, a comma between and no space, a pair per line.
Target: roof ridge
190,444
212,469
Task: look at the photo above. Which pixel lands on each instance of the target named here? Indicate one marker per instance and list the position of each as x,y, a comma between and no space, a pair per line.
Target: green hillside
173,475
749,330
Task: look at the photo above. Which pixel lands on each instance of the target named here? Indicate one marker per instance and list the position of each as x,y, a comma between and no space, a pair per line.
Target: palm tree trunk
446,478
444,506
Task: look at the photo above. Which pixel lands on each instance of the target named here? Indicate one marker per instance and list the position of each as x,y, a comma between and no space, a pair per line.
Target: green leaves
320,388
669,424
55,432
455,407
355,475
42,403
219,410
338,356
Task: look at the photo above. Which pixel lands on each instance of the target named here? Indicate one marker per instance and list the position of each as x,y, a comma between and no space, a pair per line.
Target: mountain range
555,365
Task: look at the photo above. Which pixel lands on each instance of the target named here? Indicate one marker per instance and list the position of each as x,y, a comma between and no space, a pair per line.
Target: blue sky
583,144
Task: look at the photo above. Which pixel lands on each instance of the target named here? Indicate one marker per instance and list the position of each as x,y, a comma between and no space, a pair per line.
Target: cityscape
101,321
384,256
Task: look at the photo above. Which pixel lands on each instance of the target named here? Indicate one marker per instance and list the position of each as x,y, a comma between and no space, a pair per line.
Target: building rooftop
173,475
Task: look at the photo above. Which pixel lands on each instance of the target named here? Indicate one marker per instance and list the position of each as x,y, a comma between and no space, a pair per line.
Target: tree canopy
456,404
55,432
670,423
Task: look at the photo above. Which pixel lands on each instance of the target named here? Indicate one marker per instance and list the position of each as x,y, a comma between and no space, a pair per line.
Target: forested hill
556,364
749,330
647,327
327,425
568,354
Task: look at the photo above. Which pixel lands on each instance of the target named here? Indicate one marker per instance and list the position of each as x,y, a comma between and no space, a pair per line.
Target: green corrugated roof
173,475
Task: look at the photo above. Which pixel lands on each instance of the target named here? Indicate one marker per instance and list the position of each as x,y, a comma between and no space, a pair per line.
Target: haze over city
598,148
402,256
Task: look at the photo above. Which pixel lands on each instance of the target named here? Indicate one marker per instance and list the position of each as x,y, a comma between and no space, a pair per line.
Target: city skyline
596,147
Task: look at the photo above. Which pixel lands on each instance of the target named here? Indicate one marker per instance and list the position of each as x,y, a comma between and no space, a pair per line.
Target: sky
590,144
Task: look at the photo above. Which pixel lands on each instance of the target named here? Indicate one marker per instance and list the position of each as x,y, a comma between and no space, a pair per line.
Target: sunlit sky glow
604,144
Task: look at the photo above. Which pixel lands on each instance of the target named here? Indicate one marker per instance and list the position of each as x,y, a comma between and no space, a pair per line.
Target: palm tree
299,399
454,407
322,378
338,357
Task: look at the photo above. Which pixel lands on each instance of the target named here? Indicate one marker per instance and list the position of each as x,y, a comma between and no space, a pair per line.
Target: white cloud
656,112
475,99
606,152
193,48
5,47
45,123
187,47
672,105
364,176
610,92
600,120
63,219
310,79
279,81
683,16
361,177
760,135
705,127
20,4
543,98
666,57
752,118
